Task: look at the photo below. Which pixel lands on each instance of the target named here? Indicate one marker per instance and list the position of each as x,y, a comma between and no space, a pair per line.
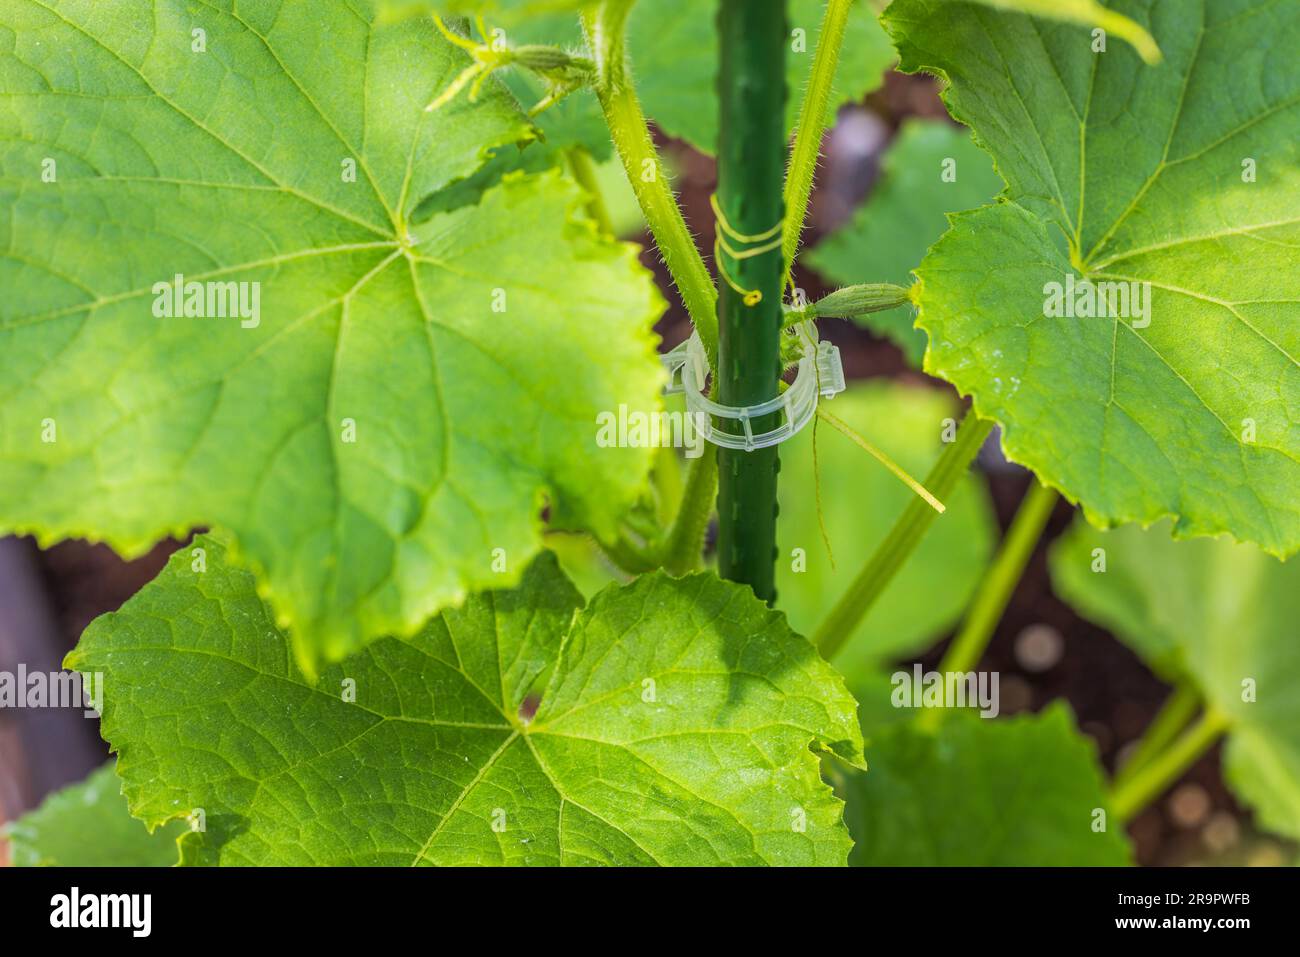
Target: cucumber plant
336,281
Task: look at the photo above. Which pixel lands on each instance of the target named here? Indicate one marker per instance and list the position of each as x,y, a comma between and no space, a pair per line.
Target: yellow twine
739,236
771,239
898,471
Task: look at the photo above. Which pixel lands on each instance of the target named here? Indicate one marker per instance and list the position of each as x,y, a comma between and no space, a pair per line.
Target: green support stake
751,167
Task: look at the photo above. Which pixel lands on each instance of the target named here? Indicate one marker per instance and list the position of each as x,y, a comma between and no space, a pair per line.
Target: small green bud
858,300
550,60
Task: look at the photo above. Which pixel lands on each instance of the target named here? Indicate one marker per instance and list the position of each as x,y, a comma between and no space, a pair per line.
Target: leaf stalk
902,539
811,125
605,27
1173,716
685,541
1000,580
1155,777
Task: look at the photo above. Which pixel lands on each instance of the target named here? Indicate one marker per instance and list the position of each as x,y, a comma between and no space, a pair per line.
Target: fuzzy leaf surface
1089,12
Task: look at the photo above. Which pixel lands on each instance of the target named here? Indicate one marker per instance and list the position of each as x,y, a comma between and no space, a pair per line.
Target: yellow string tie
770,240
898,471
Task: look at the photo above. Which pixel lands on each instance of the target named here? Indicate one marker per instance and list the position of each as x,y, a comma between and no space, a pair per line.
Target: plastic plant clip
820,373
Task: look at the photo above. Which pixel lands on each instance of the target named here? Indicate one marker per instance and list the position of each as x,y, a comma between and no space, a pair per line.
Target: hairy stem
902,538
685,539
605,26
751,147
1172,718
812,123
1154,778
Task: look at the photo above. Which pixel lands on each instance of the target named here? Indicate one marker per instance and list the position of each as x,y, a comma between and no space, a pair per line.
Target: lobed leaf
1183,176
410,395
674,727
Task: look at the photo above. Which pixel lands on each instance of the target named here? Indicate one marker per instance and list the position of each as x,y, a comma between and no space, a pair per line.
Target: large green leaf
675,725
228,165
904,215
1121,172
981,793
88,825
1220,614
860,501
1089,12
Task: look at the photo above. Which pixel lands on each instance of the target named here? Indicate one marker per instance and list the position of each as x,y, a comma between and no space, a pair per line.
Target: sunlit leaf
676,724
383,432
1180,185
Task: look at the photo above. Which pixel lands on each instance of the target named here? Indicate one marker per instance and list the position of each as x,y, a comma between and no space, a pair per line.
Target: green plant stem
629,557
1000,579
1172,718
584,171
902,538
1155,777
605,27
751,148
812,123
669,488
995,589
685,541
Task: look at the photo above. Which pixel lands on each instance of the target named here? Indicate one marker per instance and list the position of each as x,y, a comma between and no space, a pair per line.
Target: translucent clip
819,374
